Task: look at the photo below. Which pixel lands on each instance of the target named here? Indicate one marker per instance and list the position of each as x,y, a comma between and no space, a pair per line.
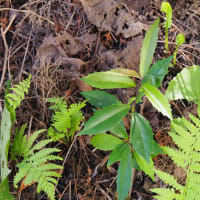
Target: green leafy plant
12,101
134,149
185,85
65,120
180,39
186,136
35,166
19,90
167,9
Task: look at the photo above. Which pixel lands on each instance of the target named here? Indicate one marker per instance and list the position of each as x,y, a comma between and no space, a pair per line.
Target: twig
28,12
3,33
5,58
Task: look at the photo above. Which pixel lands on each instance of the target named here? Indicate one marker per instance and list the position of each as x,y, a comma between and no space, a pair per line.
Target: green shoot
180,39
167,9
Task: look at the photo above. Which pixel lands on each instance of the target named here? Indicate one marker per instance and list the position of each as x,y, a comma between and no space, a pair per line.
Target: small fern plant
36,166
65,120
186,136
19,90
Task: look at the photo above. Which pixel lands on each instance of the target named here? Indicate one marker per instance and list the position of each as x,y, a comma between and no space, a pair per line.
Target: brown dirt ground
55,42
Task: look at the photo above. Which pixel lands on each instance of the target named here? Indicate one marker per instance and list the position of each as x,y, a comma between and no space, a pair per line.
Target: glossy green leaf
6,125
167,9
180,39
128,72
156,149
4,191
185,85
100,99
145,166
157,72
148,48
124,174
158,100
103,120
141,136
108,80
119,130
117,153
105,142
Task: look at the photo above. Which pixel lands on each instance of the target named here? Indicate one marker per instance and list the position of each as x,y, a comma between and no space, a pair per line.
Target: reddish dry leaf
82,85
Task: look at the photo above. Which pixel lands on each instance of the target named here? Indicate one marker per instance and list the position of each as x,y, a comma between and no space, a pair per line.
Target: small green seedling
167,9
180,39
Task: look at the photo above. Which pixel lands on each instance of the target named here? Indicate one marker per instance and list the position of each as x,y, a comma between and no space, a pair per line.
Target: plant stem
166,39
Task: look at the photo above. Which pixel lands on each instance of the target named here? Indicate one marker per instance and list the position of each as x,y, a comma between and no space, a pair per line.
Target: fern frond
58,103
169,179
65,121
18,145
166,194
14,99
61,120
36,166
30,142
187,137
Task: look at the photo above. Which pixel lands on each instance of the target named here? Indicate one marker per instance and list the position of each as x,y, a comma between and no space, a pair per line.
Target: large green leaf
4,191
119,130
6,125
99,98
157,72
156,149
124,174
128,72
158,100
185,85
108,80
145,166
117,153
148,48
141,136
105,142
103,120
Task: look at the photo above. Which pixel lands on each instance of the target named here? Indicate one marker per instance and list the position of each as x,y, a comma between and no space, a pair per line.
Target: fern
35,167
65,120
186,136
14,99
18,145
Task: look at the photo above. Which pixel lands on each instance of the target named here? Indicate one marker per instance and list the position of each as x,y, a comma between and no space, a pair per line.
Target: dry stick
5,58
28,12
3,33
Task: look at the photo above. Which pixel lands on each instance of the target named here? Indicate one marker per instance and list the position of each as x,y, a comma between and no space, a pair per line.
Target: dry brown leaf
82,85
129,57
137,5
111,15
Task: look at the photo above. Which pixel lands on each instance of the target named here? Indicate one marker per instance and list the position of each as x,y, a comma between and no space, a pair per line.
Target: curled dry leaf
60,49
112,15
129,57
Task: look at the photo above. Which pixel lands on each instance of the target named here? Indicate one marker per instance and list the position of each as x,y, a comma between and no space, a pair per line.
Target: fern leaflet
36,168
65,120
14,99
186,136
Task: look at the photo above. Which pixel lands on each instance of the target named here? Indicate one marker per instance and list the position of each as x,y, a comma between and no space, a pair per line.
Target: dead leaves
113,16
